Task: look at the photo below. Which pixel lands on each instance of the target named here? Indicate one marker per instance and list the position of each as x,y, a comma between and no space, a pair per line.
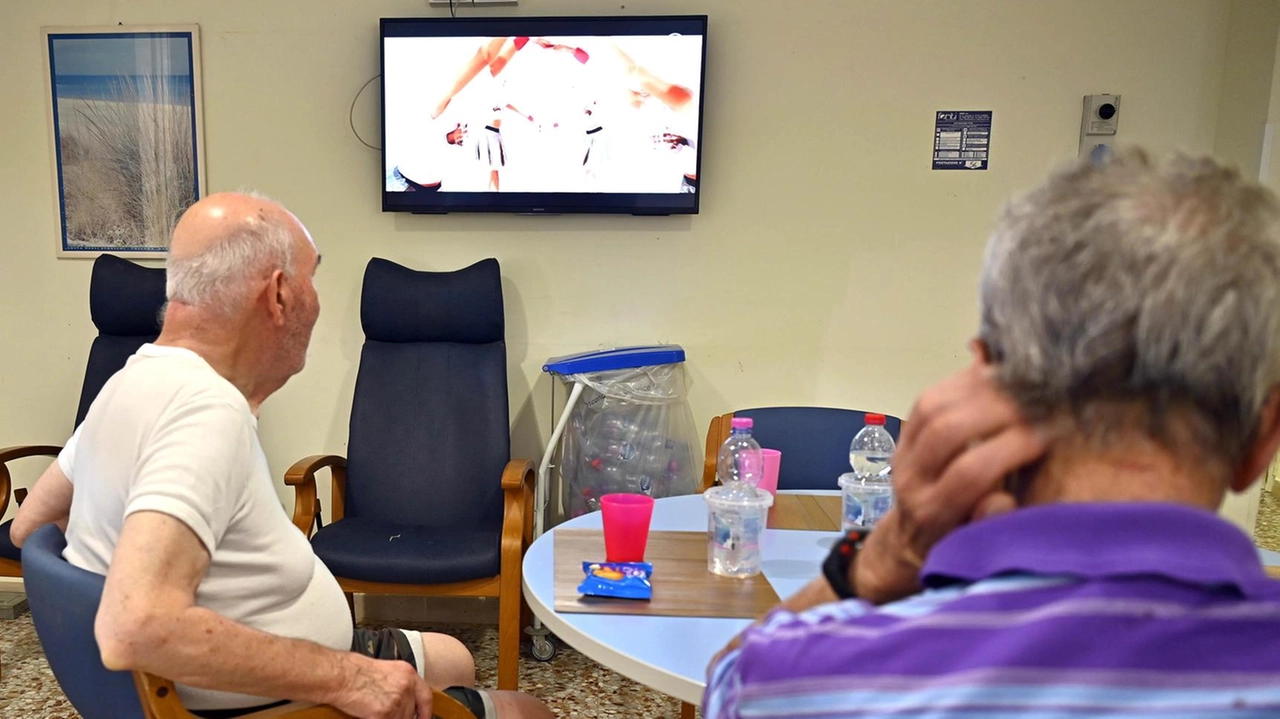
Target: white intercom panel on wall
1098,126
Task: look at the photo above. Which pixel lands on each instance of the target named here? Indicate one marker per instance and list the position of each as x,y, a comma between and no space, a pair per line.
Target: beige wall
1246,83
1272,174
1243,113
822,223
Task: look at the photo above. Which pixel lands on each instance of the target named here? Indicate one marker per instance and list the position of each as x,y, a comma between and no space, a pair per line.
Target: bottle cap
744,423
873,418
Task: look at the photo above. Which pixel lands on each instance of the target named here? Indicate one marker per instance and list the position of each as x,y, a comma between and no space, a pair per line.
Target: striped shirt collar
1104,541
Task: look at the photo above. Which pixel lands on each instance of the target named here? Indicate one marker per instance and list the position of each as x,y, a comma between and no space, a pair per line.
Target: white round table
669,654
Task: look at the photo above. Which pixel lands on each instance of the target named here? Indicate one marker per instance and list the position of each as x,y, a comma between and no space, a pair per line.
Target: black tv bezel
540,203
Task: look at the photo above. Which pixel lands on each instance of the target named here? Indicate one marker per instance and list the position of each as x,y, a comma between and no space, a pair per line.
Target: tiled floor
571,684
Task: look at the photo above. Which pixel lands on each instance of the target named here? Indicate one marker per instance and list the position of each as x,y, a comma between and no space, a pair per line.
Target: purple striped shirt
1066,610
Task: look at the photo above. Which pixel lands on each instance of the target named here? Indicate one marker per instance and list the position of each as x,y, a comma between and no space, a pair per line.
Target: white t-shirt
169,434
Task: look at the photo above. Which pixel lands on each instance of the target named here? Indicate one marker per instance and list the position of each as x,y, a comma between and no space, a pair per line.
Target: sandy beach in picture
127,171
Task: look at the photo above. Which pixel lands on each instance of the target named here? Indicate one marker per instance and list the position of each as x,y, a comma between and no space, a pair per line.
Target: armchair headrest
398,304
124,298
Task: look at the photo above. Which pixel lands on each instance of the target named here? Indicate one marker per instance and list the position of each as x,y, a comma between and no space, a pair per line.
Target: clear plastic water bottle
868,490
737,511
740,458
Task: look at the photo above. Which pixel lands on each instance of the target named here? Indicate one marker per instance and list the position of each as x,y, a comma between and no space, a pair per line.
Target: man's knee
447,662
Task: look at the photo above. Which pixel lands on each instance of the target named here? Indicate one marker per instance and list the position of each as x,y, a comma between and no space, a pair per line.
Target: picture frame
126,135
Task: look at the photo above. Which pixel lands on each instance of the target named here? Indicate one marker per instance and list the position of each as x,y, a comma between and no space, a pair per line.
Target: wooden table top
682,586
815,512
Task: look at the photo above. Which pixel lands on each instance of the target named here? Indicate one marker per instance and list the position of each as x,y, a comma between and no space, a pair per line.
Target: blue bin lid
617,358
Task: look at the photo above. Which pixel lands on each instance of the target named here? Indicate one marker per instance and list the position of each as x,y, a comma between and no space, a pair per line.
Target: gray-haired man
1054,551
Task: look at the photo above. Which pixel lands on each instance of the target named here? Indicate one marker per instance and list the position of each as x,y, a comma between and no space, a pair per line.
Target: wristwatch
836,566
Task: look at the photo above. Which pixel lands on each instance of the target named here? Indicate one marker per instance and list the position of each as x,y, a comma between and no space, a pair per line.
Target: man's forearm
204,649
49,502
816,592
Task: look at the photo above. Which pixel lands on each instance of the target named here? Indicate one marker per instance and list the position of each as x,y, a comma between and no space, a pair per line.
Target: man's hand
384,689
963,437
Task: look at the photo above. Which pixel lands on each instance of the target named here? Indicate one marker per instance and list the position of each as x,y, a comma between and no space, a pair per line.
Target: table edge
646,674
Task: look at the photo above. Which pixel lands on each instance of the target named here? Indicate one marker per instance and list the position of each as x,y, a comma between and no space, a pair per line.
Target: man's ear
980,351
1265,444
278,297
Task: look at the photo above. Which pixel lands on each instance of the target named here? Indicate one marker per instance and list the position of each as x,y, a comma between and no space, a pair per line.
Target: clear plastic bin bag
631,431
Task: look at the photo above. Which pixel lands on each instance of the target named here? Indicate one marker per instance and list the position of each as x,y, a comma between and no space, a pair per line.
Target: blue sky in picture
90,55
92,67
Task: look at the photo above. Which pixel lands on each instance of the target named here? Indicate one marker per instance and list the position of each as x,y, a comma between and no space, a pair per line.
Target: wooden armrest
160,701
516,473
302,477
517,518
21,451
28,450
717,433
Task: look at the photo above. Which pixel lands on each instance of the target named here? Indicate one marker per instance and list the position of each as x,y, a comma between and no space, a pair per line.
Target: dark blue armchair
428,501
125,302
814,442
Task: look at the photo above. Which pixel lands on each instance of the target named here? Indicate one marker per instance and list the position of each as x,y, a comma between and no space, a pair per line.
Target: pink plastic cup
626,526
772,463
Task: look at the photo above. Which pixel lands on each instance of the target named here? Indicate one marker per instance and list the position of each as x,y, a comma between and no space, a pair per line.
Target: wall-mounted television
543,115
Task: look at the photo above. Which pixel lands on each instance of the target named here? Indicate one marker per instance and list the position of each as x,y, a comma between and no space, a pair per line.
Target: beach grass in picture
126,122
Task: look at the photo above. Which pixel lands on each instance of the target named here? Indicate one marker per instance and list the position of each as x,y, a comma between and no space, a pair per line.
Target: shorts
397,182
388,643
490,151
385,643
597,153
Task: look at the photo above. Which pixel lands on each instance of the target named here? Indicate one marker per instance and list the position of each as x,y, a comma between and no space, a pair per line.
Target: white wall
822,224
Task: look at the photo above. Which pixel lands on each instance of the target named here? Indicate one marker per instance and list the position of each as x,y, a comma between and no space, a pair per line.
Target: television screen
542,115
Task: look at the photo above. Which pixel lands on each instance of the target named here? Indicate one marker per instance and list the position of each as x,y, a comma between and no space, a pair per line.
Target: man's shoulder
170,382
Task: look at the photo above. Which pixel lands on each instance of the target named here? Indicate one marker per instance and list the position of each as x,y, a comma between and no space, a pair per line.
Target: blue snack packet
623,580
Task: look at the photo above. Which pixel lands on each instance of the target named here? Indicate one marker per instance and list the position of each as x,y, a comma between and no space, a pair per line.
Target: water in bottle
735,522
736,510
868,490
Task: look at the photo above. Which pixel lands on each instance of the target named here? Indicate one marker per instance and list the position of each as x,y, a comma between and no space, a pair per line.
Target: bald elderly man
164,488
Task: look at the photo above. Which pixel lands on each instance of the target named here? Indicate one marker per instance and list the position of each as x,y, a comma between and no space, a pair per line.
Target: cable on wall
351,113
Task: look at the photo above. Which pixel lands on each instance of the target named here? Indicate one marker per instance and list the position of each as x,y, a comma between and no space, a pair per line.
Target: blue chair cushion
7,550
376,551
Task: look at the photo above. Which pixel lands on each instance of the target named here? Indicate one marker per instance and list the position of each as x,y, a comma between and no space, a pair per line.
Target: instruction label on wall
961,139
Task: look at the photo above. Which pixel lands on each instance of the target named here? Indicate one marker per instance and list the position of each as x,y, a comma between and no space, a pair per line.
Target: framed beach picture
125,127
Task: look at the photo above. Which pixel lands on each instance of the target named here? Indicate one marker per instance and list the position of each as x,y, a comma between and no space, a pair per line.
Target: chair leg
526,617
509,631
686,710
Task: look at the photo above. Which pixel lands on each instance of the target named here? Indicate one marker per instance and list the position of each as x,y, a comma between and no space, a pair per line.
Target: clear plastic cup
736,517
864,501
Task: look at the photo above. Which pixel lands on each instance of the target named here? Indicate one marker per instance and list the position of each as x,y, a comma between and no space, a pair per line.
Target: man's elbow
18,530
124,641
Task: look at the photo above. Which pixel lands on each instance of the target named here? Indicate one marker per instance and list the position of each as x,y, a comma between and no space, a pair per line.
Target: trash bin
626,427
